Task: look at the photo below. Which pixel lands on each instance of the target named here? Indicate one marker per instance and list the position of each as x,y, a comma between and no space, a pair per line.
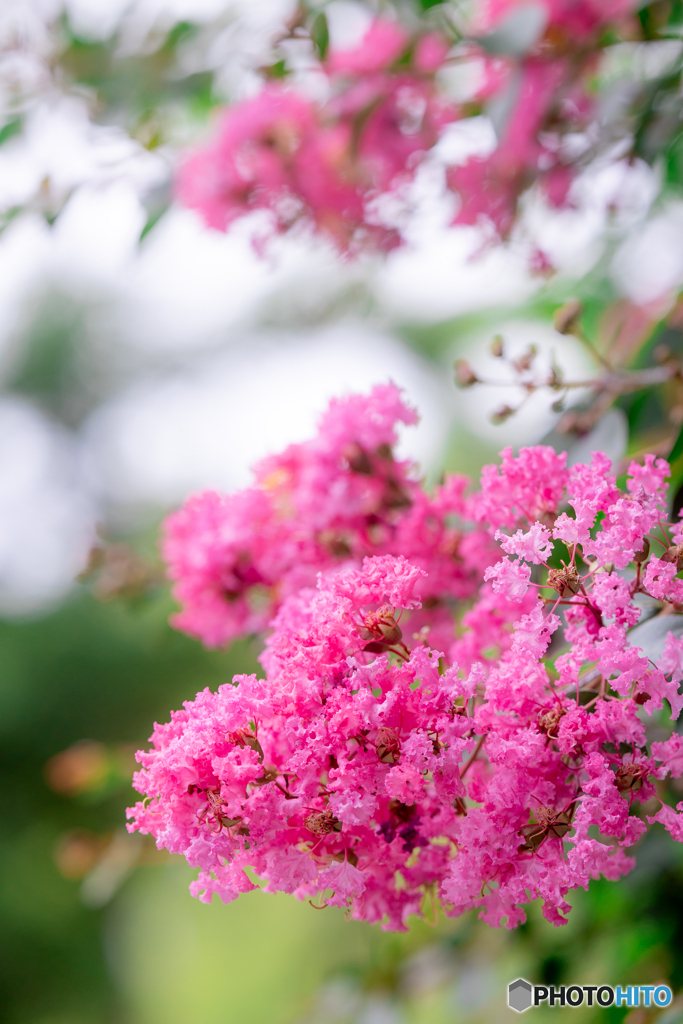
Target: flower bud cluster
374,767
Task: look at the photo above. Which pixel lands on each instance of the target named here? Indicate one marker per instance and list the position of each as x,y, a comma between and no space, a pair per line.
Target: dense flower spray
330,164
317,505
397,750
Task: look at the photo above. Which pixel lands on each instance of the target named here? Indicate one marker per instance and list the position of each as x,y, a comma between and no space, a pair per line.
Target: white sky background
214,370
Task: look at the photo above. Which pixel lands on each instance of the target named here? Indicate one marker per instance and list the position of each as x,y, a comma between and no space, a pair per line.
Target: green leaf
180,33
153,218
426,4
674,162
677,448
320,34
277,70
11,128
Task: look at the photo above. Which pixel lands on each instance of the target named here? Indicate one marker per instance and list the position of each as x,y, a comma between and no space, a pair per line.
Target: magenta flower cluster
452,709
282,152
332,164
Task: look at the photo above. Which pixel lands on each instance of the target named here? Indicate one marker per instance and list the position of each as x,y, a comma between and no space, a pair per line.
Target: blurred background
143,356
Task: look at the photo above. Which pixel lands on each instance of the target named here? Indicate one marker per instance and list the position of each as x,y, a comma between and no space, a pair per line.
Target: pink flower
490,186
509,578
533,632
219,550
382,44
248,165
341,167
525,487
346,880
671,821
670,753
326,166
430,53
671,661
534,546
612,595
591,490
580,18
655,686
225,881
650,477
618,659
671,664
660,580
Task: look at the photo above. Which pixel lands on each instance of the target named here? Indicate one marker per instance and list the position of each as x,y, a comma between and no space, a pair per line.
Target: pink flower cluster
329,164
578,18
553,101
283,153
331,500
378,768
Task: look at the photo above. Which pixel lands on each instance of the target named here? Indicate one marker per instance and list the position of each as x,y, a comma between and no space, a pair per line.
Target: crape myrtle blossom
281,152
329,164
553,102
579,18
374,769
335,498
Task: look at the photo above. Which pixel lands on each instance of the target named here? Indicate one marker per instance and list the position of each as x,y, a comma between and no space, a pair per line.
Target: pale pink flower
671,821
660,580
509,578
534,546
670,753
533,632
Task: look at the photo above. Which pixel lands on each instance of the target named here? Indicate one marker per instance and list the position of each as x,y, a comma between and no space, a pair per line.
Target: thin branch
473,758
